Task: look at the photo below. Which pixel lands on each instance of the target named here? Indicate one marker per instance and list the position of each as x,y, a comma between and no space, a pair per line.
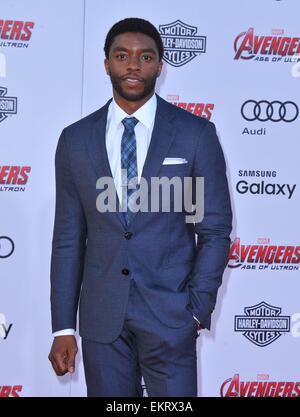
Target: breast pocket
173,170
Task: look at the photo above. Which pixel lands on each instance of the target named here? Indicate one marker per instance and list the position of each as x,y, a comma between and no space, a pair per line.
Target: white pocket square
170,161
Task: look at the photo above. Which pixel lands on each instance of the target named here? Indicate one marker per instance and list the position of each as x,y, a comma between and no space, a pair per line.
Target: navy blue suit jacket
177,276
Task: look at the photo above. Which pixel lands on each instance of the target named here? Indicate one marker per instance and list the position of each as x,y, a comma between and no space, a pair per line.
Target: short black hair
137,25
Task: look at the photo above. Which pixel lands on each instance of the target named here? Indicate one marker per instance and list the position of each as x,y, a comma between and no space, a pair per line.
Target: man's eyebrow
120,48
123,49
149,50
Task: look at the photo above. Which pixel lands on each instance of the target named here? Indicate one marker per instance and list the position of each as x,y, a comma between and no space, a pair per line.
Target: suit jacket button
125,271
128,235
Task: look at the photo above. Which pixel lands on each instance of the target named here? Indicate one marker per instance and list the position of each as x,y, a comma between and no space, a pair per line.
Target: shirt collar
145,114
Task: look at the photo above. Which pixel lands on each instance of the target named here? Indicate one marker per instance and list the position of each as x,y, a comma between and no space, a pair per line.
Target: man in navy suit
145,281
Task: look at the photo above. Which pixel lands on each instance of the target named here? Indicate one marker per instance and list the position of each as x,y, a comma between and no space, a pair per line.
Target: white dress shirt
114,132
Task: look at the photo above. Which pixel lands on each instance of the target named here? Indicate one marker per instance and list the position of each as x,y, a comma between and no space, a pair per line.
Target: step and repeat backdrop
236,63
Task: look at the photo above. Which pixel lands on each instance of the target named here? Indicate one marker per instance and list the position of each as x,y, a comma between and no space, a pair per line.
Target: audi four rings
7,246
275,111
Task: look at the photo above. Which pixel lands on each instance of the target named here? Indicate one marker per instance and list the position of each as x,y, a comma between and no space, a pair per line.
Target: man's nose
134,63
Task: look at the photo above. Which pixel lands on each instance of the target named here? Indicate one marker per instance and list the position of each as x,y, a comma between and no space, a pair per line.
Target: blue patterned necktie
128,162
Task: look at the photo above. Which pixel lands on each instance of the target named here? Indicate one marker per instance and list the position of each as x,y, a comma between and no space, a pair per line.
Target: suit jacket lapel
96,145
162,137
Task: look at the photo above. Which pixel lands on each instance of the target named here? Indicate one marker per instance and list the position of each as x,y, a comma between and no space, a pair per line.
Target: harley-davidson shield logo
181,44
262,324
8,105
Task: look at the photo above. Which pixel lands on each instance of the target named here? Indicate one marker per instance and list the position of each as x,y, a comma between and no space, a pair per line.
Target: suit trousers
164,356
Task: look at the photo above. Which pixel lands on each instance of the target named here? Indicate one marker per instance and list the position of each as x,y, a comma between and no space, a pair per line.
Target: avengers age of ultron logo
15,33
198,109
181,43
274,48
14,178
262,324
262,387
10,390
263,256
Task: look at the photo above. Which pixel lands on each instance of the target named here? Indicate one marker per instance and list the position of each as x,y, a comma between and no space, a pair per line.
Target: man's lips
132,80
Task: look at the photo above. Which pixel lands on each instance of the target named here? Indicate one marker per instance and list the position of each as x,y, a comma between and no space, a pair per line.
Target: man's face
133,65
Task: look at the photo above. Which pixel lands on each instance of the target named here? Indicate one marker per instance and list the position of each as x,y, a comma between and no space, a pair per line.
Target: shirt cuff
64,332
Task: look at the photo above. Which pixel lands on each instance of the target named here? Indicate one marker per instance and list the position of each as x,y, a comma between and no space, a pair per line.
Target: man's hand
62,354
198,326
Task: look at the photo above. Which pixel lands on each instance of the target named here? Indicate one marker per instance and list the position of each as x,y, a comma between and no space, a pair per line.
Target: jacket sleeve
213,232
68,243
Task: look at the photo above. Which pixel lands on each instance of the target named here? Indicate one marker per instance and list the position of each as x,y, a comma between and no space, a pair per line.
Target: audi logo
7,246
274,111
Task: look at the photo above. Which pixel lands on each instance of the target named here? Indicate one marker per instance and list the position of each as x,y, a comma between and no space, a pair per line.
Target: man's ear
160,66
106,65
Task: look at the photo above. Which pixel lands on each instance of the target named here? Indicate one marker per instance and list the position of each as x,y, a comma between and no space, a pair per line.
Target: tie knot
130,123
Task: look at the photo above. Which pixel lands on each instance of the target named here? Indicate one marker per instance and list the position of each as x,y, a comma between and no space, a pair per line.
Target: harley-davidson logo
181,44
262,324
8,105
